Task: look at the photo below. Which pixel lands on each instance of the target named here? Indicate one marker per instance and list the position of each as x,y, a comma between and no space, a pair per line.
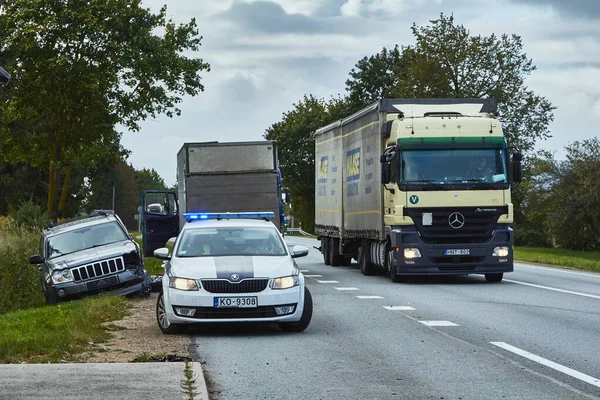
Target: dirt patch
138,338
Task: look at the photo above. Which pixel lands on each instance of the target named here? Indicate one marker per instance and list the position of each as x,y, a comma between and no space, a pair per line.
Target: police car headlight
183,284
62,276
285,282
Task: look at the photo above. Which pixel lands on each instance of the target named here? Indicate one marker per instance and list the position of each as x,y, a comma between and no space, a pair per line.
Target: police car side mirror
162,253
299,251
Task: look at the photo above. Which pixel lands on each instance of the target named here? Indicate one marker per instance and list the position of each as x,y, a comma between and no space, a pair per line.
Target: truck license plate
236,302
457,252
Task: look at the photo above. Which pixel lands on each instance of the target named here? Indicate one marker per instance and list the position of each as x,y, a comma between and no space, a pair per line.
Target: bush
19,239
530,237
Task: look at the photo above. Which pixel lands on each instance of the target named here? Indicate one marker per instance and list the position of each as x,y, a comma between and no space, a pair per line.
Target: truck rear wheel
335,258
325,250
364,260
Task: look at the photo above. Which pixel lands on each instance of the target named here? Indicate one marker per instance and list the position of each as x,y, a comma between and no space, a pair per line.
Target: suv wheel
163,322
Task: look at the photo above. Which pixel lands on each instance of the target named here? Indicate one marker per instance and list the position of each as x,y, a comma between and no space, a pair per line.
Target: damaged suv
89,255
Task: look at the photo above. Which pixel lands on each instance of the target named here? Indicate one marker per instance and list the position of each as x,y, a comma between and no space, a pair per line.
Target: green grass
55,333
584,260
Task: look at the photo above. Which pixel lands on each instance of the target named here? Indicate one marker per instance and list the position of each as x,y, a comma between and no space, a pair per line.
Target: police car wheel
163,322
301,325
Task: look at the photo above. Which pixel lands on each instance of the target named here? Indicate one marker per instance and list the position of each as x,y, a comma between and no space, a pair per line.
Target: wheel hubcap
162,315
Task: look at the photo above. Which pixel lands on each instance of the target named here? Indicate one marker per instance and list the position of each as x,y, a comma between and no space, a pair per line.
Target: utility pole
113,199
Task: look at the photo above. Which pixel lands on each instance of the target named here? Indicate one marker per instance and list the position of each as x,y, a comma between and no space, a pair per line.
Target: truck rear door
160,219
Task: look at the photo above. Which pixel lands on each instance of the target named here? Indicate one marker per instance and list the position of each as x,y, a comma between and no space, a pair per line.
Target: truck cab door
160,219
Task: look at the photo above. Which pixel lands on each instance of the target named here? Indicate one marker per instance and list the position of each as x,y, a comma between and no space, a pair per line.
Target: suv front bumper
123,283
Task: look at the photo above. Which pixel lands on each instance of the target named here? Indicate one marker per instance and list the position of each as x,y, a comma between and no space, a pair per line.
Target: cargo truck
417,187
215,177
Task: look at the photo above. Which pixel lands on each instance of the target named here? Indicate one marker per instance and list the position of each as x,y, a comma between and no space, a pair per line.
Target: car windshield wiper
480,181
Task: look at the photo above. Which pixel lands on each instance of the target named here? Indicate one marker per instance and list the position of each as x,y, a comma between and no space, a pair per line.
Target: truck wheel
325,250
347,261
301,325
392,271
335,258
364,261
494,277
163,322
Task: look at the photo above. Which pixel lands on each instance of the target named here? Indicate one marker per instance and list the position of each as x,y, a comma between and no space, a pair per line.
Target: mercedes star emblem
235,277
456,220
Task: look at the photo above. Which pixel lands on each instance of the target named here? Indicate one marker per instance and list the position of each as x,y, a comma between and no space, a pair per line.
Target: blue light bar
190,217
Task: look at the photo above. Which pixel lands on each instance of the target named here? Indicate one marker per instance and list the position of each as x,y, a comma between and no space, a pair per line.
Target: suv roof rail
94,213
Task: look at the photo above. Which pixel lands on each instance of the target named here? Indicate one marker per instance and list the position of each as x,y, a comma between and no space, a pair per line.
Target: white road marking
304,270
438,323
593,296
346,288
328,281
313,276
550,364
398,308
369,297
563,271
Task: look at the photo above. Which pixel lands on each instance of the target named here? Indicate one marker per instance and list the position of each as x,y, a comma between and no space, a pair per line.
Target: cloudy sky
265,55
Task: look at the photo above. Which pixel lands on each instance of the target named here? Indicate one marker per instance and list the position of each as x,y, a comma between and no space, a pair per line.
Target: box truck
215,177
417,187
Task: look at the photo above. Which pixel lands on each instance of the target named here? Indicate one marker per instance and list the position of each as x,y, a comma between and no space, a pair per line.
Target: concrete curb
200,382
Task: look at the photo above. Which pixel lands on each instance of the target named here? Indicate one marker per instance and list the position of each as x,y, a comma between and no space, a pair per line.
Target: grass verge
583,260
58,333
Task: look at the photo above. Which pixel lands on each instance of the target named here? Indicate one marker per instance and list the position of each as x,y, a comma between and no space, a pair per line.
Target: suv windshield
453,166
84,238
211,242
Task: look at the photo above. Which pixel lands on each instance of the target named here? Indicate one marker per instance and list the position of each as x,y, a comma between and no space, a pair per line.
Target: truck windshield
453,166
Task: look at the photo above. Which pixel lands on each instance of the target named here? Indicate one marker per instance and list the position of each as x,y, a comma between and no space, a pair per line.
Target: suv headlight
285,282
183,284
62,276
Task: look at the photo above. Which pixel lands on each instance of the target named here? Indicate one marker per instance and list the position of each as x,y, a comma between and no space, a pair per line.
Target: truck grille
98,269
478,226
244,286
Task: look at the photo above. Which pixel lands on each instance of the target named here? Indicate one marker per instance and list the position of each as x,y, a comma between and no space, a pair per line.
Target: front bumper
433,260
205,311
124,283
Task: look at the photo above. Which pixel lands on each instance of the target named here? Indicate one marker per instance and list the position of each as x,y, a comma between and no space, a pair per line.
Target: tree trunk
64,192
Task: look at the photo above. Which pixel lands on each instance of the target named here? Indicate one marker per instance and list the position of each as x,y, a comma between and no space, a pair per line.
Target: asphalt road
533,336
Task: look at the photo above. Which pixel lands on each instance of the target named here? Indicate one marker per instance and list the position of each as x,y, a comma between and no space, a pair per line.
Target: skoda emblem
456,220
235,277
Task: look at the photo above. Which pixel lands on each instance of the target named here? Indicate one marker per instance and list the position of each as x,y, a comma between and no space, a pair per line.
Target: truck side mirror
516,167
386,172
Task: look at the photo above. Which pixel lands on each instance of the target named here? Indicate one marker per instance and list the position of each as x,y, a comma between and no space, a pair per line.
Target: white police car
232,267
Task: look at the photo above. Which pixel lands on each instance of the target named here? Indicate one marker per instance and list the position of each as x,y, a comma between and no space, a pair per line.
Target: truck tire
325,250
335,258
391,267
347,261
301,325
364,260
163,323
493,278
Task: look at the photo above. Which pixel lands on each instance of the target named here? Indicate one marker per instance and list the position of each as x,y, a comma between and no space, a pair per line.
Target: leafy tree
149,179
81,67
448,62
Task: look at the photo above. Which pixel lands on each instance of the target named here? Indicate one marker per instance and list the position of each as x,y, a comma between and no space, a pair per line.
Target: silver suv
88,255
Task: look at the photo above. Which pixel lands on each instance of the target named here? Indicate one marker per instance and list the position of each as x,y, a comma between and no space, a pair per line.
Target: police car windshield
84,238
216,242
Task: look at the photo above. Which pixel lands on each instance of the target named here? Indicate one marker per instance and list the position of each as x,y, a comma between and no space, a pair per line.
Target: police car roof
228,223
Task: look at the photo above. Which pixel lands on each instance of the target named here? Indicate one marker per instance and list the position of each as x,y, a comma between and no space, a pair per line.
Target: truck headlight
501,251
183,284
285,282
411,253
62,276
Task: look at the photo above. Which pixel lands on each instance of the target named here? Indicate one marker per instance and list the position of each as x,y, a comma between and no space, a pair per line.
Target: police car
232,267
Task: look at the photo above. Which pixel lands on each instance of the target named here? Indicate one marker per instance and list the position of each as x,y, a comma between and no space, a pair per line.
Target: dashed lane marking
550,364
399,308
369,297
313,276
438,323
346,288
328,281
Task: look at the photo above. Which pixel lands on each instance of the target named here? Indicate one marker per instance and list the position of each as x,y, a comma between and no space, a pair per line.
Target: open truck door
160,219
